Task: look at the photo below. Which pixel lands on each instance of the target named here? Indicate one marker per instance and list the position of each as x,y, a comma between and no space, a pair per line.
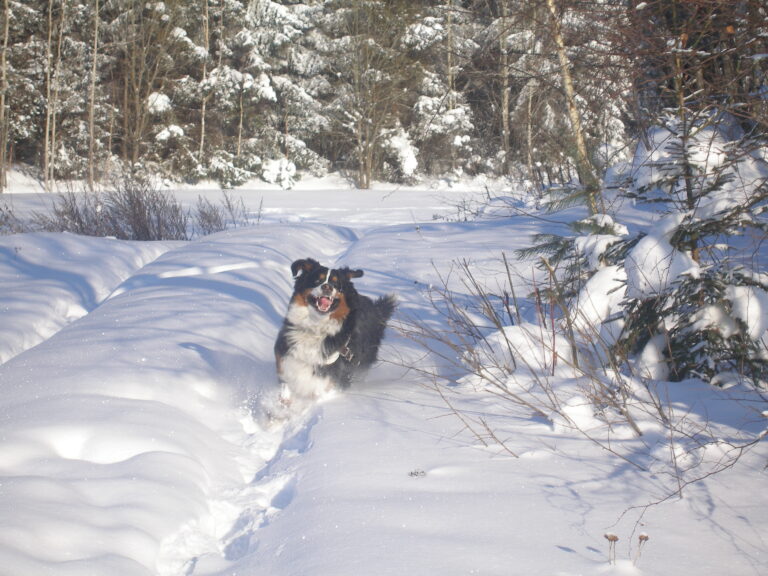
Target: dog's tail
385,307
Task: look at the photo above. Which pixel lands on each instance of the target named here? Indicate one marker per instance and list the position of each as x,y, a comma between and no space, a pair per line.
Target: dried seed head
643,537
611,537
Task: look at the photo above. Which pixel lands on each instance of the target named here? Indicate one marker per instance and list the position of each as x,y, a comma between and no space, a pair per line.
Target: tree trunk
586,170
240,122
505,88
92,100
3,90
449,71
50,106
204,102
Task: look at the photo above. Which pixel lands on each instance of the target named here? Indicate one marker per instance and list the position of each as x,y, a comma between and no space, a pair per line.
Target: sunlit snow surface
141,433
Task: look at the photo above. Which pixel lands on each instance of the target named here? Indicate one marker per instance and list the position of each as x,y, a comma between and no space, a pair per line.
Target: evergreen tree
24,93
442,124
290,47
385,89
700,165
694,299
372,78
708,316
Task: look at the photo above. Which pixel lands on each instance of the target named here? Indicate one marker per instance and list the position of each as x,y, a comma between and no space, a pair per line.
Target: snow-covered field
136,380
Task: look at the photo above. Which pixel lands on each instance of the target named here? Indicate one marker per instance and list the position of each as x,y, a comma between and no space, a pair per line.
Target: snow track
160,370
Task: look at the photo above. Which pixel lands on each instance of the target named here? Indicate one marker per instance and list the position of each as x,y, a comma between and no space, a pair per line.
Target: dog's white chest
309,329
305,352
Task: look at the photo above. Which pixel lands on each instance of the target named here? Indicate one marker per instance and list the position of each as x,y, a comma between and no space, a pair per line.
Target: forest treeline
231,90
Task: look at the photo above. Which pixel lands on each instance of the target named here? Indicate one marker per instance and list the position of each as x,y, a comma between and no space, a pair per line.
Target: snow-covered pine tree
156,56
23,93
373,80
47,58
136,38
442,127
234,89
695,303
696,297
708,314
290,44
77,109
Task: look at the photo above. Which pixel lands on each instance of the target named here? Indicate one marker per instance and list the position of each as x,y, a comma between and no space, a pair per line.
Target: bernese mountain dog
330,334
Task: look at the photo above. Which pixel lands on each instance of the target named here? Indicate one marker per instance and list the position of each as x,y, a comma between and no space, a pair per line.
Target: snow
593,246
653,266
280,172
598,301
425,34
71,276
403,149
158,103
169,133
750,305
138,379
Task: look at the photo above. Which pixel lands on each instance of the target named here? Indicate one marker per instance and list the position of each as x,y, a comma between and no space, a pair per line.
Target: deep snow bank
50,280
123,430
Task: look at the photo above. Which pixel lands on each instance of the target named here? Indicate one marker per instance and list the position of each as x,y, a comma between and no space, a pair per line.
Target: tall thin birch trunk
505,88
50,105
451,76
204,103
584,165
92,100
3,90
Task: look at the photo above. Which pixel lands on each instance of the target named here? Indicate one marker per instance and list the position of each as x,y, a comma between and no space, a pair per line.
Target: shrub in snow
132,208
280,172
9,222
227,169
213,217
403,152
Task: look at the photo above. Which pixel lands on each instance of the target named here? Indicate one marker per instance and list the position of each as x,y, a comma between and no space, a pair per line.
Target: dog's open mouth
324,303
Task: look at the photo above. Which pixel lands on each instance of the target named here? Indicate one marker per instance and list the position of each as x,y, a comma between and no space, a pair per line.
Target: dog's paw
286,398
332,358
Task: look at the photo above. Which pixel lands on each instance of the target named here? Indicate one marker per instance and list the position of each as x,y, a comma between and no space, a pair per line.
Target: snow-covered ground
137,379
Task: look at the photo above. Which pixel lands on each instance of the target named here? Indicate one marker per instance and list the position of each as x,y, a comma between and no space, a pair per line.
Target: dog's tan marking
300,299
342,310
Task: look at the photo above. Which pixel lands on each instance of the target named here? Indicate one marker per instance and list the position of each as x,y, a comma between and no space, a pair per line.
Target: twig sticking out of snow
641,540
612,539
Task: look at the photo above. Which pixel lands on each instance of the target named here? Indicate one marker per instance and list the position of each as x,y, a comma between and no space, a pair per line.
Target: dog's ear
300,267
354,274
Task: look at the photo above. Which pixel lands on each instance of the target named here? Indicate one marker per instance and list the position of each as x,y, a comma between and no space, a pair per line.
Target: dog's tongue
324,303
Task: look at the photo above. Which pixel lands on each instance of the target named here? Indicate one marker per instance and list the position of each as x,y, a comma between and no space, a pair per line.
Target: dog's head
326,290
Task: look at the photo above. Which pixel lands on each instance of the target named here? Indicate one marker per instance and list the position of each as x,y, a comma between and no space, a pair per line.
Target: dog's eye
335,281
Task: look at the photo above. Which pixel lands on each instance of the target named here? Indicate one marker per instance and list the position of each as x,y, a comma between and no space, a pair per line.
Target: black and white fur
331,333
